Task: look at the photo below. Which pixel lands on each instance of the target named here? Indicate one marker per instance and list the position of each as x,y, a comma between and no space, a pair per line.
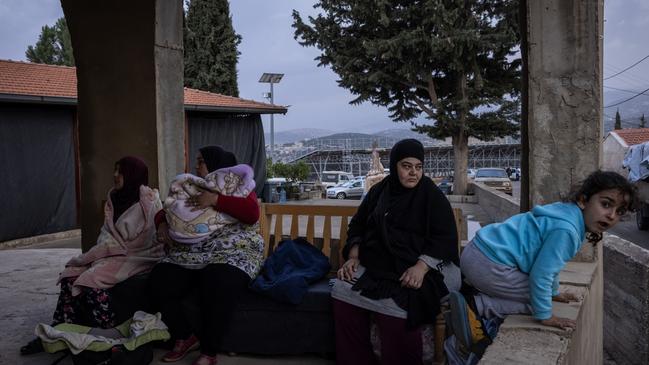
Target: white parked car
470,173
352,189
496,178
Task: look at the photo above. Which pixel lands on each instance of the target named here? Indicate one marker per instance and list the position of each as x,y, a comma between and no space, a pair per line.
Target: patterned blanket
190,226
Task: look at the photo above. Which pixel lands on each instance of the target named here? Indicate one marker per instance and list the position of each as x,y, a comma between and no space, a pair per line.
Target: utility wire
624,90
624,101
633,65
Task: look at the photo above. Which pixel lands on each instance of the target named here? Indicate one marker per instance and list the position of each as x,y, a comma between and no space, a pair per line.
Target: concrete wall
130,94
498,205
564,95
626,301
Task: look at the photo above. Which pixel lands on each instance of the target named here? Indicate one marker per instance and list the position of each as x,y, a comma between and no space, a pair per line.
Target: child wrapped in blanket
189,225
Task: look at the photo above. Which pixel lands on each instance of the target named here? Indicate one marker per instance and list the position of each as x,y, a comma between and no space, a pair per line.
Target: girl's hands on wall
566,297
559,322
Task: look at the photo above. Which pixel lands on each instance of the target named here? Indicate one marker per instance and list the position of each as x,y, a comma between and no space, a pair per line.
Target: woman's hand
414,276
559,322
346,272
566,297
162,233
203,200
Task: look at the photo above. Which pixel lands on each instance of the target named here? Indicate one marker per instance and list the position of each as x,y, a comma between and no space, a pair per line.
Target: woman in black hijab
219,268
401,253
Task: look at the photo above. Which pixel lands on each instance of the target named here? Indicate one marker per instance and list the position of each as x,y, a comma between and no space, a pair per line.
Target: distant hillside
295,135
400,134
630,111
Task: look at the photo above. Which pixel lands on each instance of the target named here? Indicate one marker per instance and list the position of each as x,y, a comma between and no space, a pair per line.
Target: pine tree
618,120
642,121
210,44
451,61
53,47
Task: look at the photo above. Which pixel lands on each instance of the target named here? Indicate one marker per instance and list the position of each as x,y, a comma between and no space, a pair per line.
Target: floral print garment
69,307
237,244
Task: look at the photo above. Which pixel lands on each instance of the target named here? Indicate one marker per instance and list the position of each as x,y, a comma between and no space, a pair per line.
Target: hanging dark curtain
37,169
243,135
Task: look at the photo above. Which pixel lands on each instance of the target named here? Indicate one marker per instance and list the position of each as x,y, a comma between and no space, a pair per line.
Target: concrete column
565,94
130,94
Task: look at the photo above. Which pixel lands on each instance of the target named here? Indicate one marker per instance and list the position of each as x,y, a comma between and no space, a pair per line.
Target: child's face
603,210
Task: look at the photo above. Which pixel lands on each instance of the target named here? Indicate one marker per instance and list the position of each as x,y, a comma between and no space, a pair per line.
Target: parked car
352,189
333,178
446,185
470,173
496,178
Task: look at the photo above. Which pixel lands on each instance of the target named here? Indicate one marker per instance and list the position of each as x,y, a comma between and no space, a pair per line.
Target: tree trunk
460,142
460,161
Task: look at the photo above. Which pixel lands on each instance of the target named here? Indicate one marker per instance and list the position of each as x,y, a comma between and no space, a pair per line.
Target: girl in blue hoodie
515,264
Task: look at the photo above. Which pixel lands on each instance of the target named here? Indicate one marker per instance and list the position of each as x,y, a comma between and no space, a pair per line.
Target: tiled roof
633,136
22,78
39,80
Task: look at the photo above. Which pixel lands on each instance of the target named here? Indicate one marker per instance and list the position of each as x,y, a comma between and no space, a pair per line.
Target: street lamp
271,79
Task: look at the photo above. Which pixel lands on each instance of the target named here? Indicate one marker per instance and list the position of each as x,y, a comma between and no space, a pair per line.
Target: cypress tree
642,121
452,62
53,47
618,120
210,44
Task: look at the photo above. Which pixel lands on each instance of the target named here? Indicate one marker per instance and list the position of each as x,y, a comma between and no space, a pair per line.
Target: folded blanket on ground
141,329
190,226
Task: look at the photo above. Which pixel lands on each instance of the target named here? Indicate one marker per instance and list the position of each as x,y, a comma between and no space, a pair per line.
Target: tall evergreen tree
618,120
451,61
211,47
642,121
53,47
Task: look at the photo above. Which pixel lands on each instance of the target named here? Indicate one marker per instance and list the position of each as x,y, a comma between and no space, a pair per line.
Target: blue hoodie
538,243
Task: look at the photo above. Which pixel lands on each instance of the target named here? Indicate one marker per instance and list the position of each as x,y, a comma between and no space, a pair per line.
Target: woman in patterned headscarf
221,266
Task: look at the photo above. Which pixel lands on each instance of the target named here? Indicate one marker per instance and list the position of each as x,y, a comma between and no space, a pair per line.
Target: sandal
33,347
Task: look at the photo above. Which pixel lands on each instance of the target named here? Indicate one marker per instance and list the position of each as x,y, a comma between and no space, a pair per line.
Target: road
626,229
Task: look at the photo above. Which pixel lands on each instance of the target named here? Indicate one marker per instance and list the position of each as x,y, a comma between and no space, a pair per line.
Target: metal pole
272,125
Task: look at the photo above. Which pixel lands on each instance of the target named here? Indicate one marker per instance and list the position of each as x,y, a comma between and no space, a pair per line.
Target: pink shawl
123,249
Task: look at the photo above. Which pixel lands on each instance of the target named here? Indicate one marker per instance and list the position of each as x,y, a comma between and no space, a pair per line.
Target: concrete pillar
565,94
130,94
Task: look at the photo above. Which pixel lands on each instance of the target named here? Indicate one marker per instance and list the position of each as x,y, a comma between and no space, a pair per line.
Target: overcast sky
314,98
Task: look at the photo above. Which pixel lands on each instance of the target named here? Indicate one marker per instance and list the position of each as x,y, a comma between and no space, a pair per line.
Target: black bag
118,355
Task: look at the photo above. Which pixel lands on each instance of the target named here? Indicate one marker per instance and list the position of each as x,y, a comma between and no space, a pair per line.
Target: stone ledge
523,340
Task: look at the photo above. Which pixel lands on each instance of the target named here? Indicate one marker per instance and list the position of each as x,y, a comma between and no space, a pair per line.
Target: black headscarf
136,174
393,226
216,158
